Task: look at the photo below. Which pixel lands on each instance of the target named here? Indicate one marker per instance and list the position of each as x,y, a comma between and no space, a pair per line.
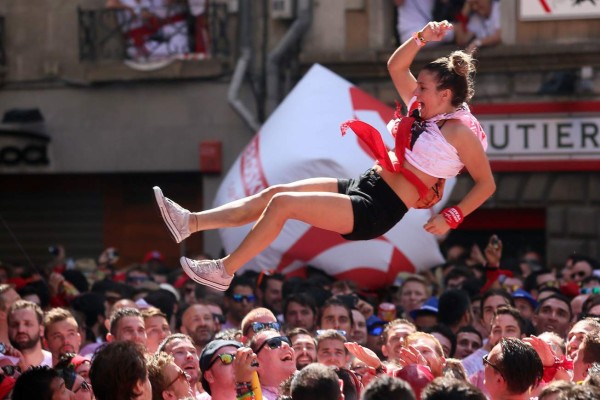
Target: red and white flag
302,139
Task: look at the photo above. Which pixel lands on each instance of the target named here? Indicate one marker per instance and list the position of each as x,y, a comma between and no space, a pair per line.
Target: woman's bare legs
329,211
246,210
182,223
323,208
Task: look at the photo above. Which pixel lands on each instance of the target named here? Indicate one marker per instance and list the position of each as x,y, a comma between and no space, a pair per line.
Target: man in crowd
127,324
431,349
157,328
331,350
62,333
300,311
305,347
553,315
508,323
275,361
359,328
119,371
169,382
8,295
393,338
216,364
316,382
182,348
198,323
256,320
239,300
454,309
589,353
503,379
336,315
468,339
25,331
268,291
40,381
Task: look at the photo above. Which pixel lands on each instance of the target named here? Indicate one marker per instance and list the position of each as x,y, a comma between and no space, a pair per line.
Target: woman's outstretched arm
400,61
476,162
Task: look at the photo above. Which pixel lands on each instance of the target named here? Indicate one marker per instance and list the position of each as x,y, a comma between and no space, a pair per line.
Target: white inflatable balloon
302,139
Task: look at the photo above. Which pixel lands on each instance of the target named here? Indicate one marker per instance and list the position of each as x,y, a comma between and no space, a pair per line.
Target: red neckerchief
550,372
402,132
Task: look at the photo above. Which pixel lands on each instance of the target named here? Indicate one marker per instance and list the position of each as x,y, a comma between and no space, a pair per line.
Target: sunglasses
259,326
274,343
226,359
488,362
580,274
85,387
238,298
181,374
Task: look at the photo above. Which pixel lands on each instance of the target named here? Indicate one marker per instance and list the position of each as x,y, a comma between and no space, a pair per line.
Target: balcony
159,43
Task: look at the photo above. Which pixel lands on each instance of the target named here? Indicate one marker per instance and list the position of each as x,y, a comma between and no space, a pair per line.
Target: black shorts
375,206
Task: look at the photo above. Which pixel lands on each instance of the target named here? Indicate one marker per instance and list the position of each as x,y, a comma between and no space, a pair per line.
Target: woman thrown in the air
434,146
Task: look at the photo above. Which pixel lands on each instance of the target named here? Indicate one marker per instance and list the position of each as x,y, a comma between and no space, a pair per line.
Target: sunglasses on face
225,358
579,274
181,374
85,387
238,298
274,343
488,362
220,318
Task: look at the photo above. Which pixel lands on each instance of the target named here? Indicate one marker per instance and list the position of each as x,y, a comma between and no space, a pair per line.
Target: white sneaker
176,217
207,272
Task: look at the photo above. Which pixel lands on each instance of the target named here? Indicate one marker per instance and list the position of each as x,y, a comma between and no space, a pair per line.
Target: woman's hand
435,31
437,225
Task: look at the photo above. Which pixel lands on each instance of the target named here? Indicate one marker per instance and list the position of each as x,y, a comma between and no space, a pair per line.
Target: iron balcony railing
149,34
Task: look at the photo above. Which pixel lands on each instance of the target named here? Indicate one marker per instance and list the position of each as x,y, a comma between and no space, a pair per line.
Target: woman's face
431,100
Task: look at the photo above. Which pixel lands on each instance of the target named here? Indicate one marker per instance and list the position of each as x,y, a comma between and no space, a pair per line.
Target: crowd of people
476,22
466,329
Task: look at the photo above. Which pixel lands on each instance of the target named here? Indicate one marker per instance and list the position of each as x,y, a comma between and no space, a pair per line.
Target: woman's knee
280,204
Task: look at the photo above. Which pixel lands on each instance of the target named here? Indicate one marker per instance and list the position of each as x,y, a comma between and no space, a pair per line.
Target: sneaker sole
188,271
162,209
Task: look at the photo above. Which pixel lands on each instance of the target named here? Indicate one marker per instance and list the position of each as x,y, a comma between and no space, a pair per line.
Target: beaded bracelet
419,39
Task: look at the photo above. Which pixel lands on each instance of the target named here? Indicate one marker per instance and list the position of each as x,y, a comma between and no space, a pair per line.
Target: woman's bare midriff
402,186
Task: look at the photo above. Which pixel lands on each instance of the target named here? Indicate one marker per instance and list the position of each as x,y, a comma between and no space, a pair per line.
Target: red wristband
453,216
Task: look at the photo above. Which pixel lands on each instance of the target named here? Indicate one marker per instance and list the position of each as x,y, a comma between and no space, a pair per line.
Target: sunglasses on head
238,298
259,326
226,359
274,343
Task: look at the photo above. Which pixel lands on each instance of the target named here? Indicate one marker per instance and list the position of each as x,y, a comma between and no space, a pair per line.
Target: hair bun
461,63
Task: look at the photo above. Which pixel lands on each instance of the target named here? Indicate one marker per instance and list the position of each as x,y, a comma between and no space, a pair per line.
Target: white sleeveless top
431,153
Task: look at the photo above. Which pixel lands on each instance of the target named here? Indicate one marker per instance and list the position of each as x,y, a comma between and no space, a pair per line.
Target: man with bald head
198,323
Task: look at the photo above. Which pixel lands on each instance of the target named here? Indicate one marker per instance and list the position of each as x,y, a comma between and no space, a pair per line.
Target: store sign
543,138
536,10
18,149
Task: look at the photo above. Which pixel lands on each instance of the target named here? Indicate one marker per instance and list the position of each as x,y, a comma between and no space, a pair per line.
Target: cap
208,353
430,306
523,294
418,376
154,255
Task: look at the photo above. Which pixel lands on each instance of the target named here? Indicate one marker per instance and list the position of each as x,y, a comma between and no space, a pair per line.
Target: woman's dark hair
455,72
